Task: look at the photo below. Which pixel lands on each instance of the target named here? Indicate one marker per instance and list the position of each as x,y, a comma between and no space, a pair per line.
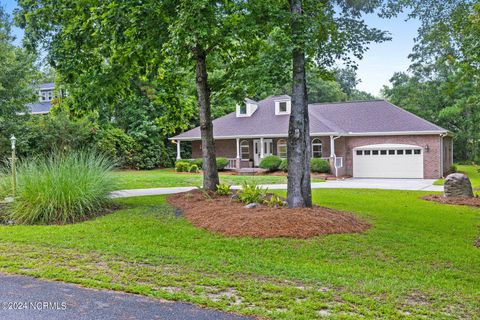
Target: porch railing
232,163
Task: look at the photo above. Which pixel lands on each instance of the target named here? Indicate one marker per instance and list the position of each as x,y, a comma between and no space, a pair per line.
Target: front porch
248,152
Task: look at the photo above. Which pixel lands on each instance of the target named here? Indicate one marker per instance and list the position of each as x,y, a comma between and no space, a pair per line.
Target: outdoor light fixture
13,140
427,147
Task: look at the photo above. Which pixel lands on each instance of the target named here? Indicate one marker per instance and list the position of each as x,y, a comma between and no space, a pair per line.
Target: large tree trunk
299,192
210,173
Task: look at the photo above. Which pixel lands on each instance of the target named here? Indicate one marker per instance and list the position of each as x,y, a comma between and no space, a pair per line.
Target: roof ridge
276,96
342,102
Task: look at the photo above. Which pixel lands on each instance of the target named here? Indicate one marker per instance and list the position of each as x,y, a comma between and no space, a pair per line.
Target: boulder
457,185
252,205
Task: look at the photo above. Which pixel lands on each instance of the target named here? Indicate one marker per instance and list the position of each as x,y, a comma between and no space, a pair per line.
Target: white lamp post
13,140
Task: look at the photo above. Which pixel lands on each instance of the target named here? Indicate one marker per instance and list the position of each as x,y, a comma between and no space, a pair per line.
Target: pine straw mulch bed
227,216
472,202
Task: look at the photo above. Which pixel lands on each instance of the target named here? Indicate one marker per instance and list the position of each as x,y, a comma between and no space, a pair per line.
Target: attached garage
388,161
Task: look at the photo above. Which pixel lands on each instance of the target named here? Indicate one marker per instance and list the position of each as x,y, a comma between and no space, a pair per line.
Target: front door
267,150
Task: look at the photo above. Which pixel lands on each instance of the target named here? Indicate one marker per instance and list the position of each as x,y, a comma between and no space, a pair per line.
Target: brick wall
447,154
223,148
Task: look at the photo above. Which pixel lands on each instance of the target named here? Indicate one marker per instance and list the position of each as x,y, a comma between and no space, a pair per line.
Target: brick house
366,139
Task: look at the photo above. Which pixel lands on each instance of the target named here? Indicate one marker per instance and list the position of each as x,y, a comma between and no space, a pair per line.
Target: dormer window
246,109
243,109
282,107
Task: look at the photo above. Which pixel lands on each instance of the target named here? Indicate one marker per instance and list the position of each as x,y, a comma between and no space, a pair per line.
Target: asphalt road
26,298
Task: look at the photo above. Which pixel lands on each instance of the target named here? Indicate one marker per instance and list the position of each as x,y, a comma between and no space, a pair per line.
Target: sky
378,64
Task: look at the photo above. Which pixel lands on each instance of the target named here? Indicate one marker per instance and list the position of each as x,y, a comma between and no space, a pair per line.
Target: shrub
5,182
198,162
251,193
182,166
193,168
62,188
118,145
319,165
284,165
223,189
452,169
221,163
271,163
274,201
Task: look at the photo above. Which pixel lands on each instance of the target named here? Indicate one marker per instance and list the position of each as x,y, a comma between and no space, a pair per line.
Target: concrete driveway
386,184
26,298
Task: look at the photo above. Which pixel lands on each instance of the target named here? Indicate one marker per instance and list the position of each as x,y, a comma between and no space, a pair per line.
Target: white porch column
262,148
237,162
332,147
238,148
178,150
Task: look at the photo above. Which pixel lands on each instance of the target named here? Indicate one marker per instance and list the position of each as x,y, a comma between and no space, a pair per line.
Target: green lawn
471,171
418,260
131,179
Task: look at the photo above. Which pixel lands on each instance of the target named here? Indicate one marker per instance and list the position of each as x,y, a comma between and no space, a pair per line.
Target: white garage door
388,161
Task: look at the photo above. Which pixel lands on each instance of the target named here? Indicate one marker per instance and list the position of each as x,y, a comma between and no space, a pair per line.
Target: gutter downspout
332,153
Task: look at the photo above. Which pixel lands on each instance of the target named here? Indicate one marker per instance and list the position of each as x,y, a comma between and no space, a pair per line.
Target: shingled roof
342,118
40,107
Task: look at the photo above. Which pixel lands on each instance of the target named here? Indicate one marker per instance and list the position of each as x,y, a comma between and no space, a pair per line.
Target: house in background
365,139
45,96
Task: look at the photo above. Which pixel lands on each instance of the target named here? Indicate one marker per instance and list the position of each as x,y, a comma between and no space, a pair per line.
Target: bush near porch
185,165
271,163
319,165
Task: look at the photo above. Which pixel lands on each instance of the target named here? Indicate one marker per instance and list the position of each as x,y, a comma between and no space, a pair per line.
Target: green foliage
193,168
137,117
284,165
322,88
274,201
62,188
182,166
271,163
223,189
221,163
118,145
319,165
5,181
251,193
443,86
198,162
41,135
17,74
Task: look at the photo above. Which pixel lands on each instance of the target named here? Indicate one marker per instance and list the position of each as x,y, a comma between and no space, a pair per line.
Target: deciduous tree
314,33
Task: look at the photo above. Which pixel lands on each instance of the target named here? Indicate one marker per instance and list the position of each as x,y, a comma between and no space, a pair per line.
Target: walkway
386,184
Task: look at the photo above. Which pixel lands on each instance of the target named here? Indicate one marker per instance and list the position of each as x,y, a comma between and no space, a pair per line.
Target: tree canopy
18,76
443,85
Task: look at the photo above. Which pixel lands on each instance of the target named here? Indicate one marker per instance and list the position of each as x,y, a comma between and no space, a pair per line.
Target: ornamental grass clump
62,188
